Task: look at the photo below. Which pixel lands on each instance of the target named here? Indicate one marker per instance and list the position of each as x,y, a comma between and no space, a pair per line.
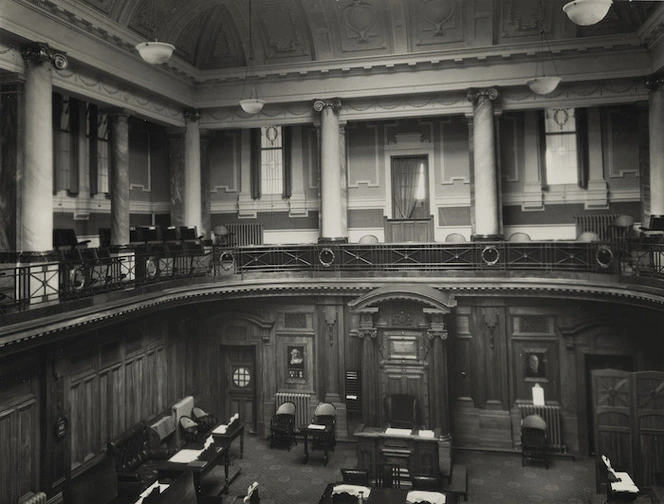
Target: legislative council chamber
331,251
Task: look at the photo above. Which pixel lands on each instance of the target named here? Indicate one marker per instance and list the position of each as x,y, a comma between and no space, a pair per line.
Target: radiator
38,498
301,406
551,415
595,223
245,234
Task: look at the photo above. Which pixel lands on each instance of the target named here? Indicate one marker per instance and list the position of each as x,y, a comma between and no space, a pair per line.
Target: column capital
367,332
118,112
653,82
192,115
41,52
322,103
474,94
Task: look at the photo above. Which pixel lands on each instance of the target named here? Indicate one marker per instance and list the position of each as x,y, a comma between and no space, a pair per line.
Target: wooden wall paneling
648,426
134,379
27,427
8,467
84,423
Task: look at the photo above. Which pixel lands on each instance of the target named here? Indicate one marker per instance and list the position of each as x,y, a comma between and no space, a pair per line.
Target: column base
489,237
333,240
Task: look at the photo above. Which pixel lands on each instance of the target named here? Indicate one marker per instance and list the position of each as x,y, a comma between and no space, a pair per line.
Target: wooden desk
381,496
171,470
325,437
225,439
416,453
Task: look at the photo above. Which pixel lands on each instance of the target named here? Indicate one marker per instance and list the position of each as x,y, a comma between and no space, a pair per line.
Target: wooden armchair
325,414
534,443
282,425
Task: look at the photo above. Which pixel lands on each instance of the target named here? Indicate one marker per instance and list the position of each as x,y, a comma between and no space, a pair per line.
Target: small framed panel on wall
535,362
295,362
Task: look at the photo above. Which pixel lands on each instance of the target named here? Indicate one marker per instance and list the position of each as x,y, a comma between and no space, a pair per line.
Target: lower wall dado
471,363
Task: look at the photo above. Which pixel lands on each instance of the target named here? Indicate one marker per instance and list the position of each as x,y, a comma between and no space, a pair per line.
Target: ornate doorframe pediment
433,300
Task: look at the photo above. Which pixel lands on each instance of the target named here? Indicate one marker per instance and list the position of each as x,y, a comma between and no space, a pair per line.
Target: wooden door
239,366
611,407
649,425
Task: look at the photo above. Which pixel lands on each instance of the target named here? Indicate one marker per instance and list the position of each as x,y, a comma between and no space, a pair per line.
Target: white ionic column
331,192
485,176
36,178
656,134
192,210
119,176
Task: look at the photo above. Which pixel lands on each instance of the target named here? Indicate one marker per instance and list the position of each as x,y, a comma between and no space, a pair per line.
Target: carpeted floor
493,478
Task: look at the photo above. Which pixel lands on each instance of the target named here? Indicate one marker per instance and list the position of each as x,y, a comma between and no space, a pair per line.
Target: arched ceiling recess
214,34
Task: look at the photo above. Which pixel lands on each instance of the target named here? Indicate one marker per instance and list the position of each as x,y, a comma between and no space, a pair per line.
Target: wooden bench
459,481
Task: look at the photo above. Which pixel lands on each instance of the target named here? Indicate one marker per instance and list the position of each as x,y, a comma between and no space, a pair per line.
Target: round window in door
241,377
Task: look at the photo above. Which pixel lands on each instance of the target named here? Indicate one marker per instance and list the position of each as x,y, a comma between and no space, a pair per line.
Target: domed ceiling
214,34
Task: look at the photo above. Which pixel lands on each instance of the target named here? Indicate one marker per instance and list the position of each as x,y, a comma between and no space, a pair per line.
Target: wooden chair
534,444
325,414
355,476
282,425
425,482
389,476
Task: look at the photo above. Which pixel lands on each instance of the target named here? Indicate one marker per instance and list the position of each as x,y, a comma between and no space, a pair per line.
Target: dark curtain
255,159
74,137
405,175
286,158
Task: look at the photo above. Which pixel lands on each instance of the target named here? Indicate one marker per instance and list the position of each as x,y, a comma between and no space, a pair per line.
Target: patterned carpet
493,478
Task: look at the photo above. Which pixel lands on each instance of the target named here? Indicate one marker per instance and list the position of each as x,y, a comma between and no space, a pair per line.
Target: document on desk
316,426
221,429
185,456
422,496
425,433
391,431
352,490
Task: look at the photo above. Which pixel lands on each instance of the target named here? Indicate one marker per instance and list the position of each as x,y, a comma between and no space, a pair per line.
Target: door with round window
239,387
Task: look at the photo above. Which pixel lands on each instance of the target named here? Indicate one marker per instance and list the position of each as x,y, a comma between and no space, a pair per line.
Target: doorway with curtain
411,214
410,187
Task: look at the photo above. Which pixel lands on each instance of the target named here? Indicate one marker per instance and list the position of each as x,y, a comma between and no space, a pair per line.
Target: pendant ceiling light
252,104
155,52
587,12
543,84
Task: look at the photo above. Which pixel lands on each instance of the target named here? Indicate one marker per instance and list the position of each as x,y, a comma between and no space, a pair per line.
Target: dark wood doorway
593,362
239,383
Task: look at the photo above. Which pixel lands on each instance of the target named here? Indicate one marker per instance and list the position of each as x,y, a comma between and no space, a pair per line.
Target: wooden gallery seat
534,443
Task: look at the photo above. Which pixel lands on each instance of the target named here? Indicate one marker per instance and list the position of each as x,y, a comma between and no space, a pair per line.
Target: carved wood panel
649,421
490,345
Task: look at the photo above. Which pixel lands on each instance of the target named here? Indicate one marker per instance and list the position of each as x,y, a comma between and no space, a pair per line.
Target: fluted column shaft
36,181
656,133
206,225
331,194
485,177
192,209
119,177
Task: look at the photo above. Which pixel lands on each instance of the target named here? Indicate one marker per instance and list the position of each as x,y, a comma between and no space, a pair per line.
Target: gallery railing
30,281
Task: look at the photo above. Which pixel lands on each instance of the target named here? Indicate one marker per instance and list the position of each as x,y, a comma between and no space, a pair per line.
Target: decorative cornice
475,94
40,52
165,295
321,104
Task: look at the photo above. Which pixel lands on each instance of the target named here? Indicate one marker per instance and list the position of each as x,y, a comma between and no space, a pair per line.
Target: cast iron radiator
245,234
595,223
551,415
301,406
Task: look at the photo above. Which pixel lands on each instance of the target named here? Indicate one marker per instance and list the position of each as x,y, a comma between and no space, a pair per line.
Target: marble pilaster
36,177
119,176
485,176
297,201
176,175
656,133
332,221
597,193
192,171
206,225
10,126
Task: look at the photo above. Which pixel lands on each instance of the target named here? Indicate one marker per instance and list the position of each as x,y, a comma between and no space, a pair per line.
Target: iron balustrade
28,282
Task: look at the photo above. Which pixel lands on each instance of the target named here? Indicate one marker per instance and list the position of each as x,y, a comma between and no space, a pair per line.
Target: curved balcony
114,280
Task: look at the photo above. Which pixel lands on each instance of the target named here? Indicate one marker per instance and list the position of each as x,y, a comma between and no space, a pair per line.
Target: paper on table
221,429
352,490
185,456
351,396
398,432
538,395
316,426
426,433
422,496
